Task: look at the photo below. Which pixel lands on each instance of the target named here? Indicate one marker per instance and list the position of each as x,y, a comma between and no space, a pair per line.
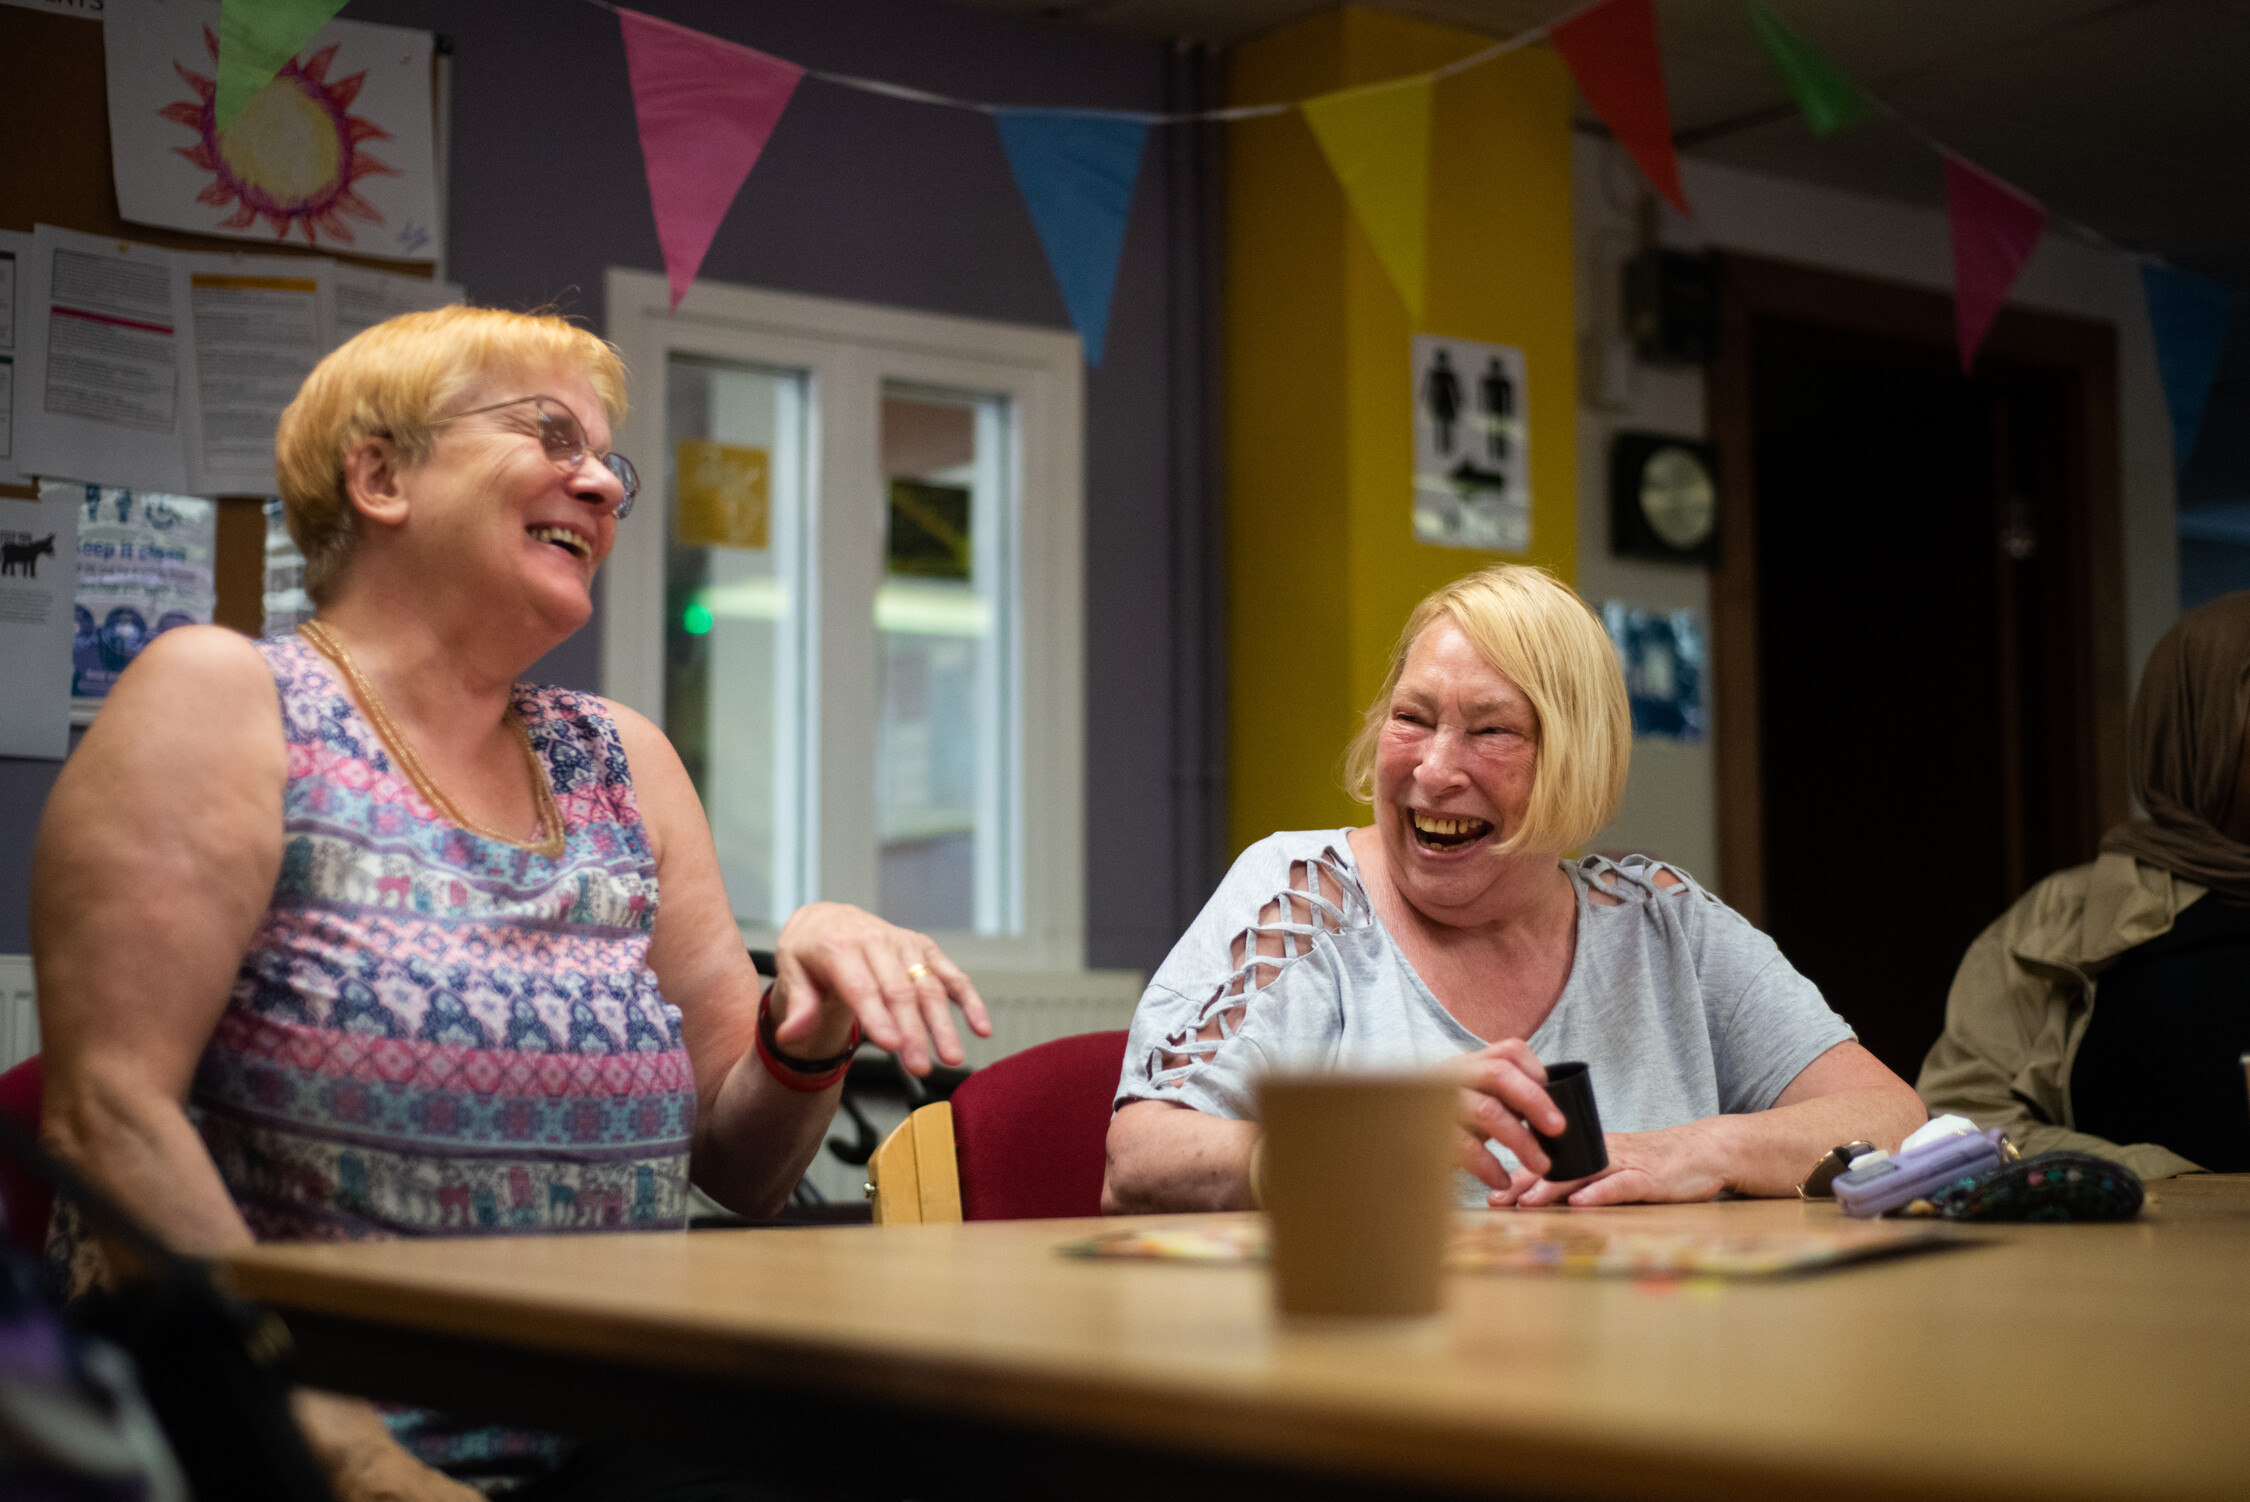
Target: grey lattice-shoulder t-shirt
1681,1009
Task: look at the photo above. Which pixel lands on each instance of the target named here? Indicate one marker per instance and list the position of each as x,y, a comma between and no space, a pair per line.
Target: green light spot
696,620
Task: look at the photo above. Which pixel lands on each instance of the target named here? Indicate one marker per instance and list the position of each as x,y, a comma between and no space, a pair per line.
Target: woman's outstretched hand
837,963
1503,1096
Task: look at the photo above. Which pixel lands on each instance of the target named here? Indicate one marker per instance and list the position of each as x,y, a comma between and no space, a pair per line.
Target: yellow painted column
1323,565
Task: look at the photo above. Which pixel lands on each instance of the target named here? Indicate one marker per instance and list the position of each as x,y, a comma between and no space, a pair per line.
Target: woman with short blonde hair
1538,634
354,934
1454,927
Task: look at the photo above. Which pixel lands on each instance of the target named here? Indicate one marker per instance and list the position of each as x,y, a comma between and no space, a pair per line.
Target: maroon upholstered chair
24,1196
1030,1132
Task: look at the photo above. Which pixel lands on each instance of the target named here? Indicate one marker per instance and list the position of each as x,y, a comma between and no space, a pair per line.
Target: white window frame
848,350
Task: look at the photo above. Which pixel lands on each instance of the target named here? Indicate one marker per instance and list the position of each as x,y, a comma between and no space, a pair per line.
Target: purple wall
883,201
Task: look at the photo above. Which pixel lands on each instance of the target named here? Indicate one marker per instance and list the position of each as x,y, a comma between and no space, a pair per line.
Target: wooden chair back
913,1178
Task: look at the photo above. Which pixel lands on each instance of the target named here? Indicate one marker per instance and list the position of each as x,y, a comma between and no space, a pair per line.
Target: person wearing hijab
2157,928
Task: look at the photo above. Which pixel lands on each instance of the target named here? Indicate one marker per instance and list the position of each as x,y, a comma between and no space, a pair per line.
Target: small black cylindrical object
1579,1151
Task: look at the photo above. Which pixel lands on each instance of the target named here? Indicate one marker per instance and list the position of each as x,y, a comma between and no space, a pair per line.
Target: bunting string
1227,114
708,106
1996,226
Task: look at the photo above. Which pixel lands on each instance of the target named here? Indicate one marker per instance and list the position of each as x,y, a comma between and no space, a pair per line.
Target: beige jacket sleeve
2003,1060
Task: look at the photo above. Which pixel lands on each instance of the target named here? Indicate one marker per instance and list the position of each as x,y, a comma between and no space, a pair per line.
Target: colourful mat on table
1555,1244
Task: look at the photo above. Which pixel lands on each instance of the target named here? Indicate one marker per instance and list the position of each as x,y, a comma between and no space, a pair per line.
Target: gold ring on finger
917,971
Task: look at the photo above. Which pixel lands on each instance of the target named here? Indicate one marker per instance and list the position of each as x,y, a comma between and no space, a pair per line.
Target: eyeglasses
565,442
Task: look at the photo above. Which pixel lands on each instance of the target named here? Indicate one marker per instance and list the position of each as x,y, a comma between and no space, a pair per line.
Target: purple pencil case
1905,1177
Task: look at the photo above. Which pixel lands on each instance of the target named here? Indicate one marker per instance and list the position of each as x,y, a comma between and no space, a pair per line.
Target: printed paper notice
365,298
15,250
260,327
38,546
337,152
102,356
1472,472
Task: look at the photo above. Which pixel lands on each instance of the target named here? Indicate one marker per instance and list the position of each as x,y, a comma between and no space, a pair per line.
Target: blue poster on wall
145,564
1662,654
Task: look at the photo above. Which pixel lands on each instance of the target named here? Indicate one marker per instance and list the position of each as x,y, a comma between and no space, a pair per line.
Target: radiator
1028,1007
1035,1006
19,1011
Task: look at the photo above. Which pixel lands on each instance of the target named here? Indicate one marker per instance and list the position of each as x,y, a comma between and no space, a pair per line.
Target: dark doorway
1914,552
1897,555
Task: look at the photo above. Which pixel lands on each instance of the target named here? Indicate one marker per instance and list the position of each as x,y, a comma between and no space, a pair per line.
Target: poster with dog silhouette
38,575
144,566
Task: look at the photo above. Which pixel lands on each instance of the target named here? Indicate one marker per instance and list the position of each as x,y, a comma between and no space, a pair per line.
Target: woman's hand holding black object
1676,1165
1503,1097
838,964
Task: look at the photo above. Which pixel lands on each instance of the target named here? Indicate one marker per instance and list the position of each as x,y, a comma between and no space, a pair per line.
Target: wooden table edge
1296,1434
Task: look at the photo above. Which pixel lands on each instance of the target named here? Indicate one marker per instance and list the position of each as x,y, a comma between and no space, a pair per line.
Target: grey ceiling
2130,115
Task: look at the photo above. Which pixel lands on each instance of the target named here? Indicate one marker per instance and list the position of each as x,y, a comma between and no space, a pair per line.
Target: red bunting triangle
1995,229
705,108
1611,50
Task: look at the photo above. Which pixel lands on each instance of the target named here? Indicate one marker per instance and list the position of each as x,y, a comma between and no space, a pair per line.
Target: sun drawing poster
335,153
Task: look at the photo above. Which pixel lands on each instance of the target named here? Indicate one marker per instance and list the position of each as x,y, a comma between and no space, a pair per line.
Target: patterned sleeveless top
436,1033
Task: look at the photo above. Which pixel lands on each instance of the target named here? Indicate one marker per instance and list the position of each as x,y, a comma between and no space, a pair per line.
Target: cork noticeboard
54,115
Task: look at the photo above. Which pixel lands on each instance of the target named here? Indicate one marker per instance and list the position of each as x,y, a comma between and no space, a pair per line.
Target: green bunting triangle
1824,91
257,38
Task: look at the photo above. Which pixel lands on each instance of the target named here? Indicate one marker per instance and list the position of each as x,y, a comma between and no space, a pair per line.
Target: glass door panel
734,562
944,613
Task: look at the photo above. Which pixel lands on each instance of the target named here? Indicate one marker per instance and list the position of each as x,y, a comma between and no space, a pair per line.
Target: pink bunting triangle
1612,54
706,108
1995,229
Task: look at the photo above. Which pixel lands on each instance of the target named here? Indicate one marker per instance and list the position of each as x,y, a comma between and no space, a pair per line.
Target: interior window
943,748
733,648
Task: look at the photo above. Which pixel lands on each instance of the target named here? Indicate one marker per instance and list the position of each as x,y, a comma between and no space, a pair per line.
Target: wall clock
1663,498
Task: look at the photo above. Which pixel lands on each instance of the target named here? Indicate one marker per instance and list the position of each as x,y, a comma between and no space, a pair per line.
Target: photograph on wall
1662,654
145,565
1472,470
336,153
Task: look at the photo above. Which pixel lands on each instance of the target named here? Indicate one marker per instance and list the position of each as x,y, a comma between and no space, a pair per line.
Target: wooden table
2042,1362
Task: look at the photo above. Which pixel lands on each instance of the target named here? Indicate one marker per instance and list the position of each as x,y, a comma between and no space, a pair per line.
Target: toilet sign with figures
1472,470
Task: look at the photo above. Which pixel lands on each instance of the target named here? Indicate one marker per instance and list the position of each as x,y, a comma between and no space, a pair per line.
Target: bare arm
1172,1157
1844,1095
1166,1157
155,864
754,1134
156,860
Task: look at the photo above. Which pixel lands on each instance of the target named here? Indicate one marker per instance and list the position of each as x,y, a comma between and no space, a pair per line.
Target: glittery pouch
2057,1186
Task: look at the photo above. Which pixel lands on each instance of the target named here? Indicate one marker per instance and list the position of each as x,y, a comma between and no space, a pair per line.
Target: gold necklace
550,840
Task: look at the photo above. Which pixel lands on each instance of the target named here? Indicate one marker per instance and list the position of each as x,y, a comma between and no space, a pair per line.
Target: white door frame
849,350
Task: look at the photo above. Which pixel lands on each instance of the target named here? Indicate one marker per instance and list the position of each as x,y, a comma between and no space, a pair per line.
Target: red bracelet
810,1076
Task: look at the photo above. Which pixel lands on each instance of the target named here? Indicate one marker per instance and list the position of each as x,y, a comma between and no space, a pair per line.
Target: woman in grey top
1451,928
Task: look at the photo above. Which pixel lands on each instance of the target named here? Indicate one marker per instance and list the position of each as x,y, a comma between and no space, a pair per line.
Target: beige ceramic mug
1357,1182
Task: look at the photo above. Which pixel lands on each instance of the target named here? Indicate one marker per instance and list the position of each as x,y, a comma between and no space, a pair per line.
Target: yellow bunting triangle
1377,140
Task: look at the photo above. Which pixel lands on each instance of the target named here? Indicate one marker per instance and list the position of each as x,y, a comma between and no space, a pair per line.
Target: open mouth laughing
1436,832
564,538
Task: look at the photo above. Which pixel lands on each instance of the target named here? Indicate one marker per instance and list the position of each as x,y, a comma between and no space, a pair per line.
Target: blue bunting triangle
2189,316
1076,174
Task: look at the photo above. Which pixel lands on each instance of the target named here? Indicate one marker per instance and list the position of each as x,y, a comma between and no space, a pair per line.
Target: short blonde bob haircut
391,381
1536,631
